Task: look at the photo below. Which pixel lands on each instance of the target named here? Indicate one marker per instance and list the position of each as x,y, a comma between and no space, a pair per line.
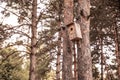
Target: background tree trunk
102,56
84,54
58,57
117,48
33,41
60,18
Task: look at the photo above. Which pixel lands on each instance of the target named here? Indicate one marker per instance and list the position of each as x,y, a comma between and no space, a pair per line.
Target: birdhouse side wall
78,31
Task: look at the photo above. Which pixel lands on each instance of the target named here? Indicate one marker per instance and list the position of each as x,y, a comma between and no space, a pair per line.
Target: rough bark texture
33,41
67,53
101,53
68,11
58,57
84,53
102,56
67,58
58,67
117,49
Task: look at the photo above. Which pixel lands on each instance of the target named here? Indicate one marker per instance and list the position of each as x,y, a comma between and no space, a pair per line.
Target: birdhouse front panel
74,31
71,32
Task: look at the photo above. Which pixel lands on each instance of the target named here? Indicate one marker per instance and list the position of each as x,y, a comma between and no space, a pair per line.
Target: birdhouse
74,31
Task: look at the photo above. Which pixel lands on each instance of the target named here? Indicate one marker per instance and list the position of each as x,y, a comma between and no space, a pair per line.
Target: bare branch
15,14
22,33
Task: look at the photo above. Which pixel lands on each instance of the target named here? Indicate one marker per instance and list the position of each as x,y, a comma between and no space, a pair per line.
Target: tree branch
15,14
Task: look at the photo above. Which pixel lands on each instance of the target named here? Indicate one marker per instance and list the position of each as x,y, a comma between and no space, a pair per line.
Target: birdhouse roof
70,24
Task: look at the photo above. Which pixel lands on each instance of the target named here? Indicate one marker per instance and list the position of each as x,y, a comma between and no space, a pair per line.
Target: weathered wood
74,31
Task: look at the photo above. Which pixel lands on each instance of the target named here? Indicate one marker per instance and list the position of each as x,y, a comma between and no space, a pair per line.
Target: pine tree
32,74
11,65
84,53
67,52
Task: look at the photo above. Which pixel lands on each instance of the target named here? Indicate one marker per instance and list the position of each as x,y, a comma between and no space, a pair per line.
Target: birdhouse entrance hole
74,31
71,29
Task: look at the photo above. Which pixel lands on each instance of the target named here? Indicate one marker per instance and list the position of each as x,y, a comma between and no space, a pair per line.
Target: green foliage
104,16
50,75
11,65
22,10
45,55
104,13
4,33
44,66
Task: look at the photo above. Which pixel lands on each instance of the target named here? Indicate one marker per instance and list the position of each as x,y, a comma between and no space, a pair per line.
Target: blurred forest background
30,40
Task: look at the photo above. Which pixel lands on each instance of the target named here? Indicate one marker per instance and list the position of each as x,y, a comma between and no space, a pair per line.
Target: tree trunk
67,58
84,53
67,53
33,41
58,67
117,48
59,40
58,58
102,56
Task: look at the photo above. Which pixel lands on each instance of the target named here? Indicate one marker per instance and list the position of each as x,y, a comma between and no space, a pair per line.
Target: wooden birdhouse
74,31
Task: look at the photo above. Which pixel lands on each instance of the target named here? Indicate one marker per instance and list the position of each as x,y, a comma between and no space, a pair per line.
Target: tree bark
67,53
68,11
33,41
102,56
84,53
67,58
58,69
117,48
58,58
